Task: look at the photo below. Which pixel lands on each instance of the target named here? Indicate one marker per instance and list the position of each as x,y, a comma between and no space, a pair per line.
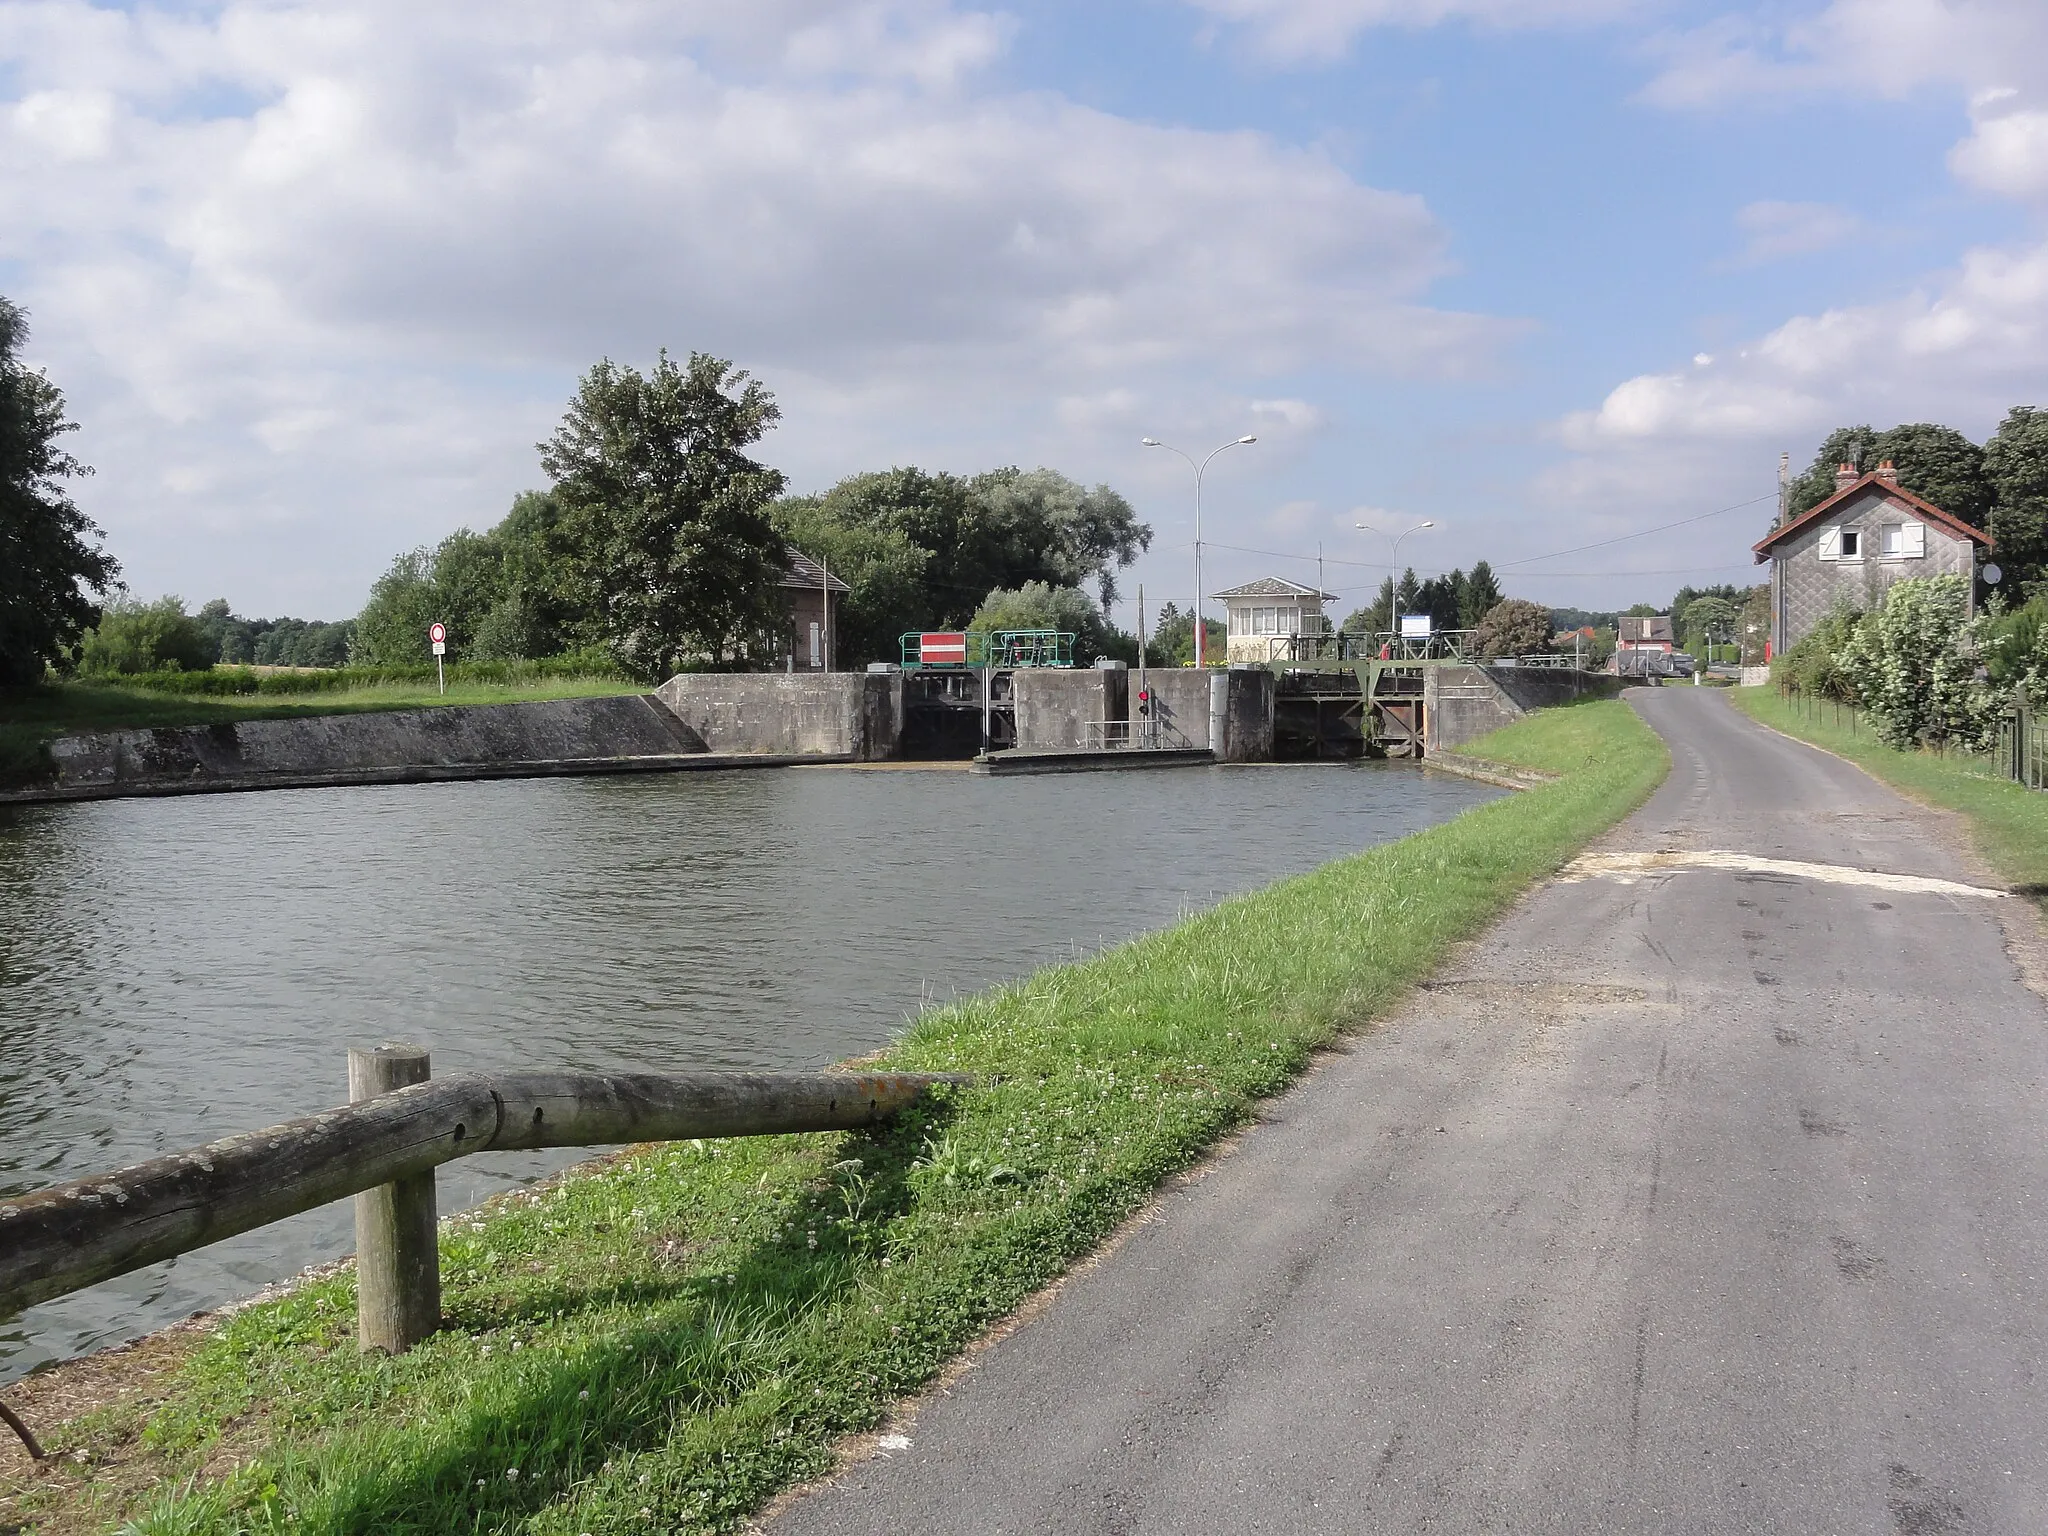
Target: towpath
1707,1195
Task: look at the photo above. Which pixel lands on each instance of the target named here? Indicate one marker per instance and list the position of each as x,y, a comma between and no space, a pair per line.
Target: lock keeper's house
1869,534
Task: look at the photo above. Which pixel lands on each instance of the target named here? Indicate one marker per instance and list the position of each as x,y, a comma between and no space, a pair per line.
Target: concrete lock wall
1180,698
844,714
1247,714
1461,703
369,746
1056,705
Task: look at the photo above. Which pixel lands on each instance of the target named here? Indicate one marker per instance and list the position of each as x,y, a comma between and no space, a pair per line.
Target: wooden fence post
398,1256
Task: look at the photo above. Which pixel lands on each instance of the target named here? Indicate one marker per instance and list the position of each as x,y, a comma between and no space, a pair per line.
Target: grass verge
665,1342
31,718
2008,822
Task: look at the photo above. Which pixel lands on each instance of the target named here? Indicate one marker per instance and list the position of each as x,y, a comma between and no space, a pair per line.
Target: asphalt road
1694,1200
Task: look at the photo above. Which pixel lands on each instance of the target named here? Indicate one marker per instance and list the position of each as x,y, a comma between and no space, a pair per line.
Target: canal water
174,970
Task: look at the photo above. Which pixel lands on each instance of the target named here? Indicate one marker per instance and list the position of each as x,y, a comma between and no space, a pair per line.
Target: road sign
942,649
1415,626
438,633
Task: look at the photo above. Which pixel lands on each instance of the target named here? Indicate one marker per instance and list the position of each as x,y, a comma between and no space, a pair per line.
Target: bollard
398,1257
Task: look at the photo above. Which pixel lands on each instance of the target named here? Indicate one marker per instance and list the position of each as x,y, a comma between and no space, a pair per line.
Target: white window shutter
1913,544
1831,543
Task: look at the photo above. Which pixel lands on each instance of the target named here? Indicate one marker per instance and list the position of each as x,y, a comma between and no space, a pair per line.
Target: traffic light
1144,701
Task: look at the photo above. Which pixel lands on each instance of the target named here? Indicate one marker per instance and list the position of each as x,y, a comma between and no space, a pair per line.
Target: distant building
1650,633
1869,534
1263,614
814,597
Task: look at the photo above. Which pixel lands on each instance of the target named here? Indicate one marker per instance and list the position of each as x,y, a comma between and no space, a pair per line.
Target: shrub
1810,666
1913,664
134,637
1513,627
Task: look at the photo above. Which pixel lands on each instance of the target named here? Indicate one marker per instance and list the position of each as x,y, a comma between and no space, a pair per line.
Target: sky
316,277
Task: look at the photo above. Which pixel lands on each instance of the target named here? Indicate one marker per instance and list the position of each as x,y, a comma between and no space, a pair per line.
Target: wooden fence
383,1148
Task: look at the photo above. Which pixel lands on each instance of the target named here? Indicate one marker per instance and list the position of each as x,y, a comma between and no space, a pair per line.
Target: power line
1623,538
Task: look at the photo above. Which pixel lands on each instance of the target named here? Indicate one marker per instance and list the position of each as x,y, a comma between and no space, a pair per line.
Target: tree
1482,594
674,556
1709,618
885,570
1685,597
1172,642
50,559
1443,599
391,631
1378,617
134,637
1934,462
1001,529
1513,627
1038,605
2016,463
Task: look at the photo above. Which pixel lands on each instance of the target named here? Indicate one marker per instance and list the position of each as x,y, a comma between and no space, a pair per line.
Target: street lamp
1201,637
1394,569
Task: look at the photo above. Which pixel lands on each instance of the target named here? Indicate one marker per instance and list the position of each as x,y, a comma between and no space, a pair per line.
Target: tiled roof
1274,586
806,573
1891,488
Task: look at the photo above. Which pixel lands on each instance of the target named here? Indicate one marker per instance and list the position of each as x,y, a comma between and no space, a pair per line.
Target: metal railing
1140,735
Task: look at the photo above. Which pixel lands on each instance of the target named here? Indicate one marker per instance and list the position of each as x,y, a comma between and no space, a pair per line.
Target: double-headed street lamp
1394,569
1200,628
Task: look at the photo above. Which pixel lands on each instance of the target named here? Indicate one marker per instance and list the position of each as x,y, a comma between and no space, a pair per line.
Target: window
1265,621
1891,541
1852,544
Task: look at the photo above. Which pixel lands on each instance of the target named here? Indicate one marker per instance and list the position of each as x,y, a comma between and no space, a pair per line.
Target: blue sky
316,276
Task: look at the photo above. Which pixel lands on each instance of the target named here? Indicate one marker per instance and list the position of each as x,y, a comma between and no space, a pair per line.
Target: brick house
813,595
1638,632
1869,534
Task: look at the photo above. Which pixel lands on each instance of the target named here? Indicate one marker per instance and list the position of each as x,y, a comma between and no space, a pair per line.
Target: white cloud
2006,153
1295,30
1855,47
330,268
1779,230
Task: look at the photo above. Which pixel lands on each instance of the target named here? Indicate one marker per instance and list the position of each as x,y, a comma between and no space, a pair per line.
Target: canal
174,970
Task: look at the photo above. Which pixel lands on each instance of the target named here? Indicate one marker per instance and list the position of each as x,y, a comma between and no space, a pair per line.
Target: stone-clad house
1869,534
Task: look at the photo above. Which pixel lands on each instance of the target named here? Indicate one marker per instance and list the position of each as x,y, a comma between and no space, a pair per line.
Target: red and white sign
939,650
438,633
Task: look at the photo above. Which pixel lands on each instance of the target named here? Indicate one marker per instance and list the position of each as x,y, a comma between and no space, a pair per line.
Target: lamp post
1201,637
1394,569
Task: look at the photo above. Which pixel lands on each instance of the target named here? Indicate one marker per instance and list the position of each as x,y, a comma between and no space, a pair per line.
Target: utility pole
1784,487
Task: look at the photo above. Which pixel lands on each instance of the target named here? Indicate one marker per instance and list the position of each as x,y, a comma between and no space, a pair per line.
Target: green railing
960,650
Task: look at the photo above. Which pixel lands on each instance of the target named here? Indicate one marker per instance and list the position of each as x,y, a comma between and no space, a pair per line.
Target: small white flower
511,1474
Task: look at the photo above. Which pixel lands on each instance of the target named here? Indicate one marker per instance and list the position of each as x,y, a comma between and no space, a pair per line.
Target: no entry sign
939,650
438,633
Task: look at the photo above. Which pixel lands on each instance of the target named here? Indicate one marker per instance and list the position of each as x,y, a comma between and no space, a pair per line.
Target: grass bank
662,1344
31,718
2008,822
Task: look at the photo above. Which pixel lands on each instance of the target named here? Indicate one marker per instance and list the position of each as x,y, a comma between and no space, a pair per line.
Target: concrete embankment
619,734
1463,703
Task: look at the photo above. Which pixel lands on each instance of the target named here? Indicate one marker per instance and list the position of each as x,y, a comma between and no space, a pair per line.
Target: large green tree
2016,461
882,566
665,515
1482,592
51,563
1934,462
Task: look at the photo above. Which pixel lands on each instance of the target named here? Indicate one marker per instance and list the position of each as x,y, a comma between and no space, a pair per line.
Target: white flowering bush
1913,663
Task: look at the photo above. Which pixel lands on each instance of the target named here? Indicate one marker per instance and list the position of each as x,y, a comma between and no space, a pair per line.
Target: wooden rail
383,1149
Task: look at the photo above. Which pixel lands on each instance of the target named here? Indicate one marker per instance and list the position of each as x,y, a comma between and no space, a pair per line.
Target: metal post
398,1257
439,675
1151,711
825,582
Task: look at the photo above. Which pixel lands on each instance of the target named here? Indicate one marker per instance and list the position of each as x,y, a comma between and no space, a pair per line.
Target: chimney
1887,472
1845,476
